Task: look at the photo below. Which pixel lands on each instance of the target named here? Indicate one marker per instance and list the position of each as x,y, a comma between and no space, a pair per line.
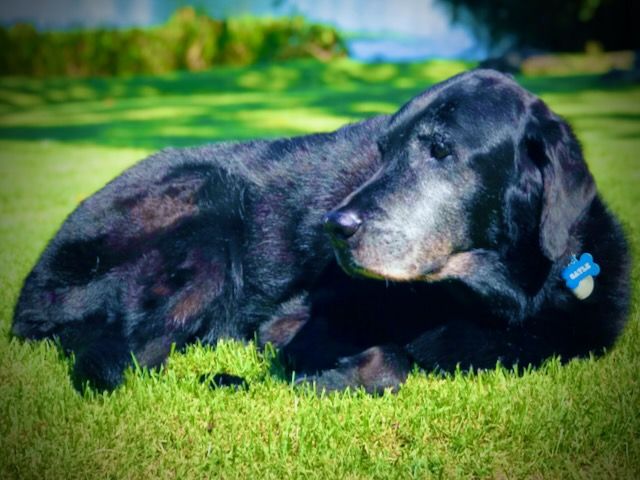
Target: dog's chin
428,272
353,268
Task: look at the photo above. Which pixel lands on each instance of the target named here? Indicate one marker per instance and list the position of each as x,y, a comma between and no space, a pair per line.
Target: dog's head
475,162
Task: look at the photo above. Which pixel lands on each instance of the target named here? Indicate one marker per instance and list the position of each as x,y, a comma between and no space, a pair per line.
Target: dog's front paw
327,381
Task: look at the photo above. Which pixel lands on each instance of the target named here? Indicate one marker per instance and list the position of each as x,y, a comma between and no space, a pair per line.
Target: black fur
469,203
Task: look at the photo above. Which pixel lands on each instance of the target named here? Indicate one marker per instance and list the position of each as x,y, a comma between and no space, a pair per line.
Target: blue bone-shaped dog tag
580,269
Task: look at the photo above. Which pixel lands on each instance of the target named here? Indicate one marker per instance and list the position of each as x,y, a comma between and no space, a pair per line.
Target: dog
437,237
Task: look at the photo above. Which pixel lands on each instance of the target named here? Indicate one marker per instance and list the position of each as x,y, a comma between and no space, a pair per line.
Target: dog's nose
342,224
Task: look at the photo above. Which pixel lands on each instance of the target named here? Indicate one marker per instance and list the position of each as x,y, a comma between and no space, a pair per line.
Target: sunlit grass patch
61,140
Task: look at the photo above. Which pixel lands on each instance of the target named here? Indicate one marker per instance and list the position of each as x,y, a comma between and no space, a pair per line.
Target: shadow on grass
231,103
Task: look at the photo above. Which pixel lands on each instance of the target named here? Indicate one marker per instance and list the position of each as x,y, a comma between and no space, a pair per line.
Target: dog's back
189,243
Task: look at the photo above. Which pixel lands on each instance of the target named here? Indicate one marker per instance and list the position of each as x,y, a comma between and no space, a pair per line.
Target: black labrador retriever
438,236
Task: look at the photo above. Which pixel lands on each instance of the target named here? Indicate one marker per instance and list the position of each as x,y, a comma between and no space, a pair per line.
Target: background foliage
188,41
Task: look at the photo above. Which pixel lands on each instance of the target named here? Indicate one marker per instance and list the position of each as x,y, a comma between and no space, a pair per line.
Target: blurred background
153,73
112,37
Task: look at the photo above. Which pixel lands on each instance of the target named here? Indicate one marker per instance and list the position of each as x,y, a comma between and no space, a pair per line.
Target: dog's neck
497,277
599,234
487,275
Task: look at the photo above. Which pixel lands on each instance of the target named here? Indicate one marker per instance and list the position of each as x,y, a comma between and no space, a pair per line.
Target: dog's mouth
353,268
425,272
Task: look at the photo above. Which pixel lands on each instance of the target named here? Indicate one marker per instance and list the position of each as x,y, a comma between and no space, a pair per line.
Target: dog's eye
440,150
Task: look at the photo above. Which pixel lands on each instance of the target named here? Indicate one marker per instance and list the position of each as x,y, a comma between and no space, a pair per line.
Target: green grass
60,140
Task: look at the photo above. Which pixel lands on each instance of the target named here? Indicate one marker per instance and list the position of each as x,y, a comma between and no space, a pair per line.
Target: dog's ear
568,187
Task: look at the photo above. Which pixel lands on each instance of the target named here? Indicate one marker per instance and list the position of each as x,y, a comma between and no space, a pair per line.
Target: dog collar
578,275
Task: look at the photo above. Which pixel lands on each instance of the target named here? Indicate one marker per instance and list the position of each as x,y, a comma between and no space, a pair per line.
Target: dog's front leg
471,346
375,369
286,322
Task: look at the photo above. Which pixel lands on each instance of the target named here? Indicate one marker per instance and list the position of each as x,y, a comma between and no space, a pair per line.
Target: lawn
61,139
